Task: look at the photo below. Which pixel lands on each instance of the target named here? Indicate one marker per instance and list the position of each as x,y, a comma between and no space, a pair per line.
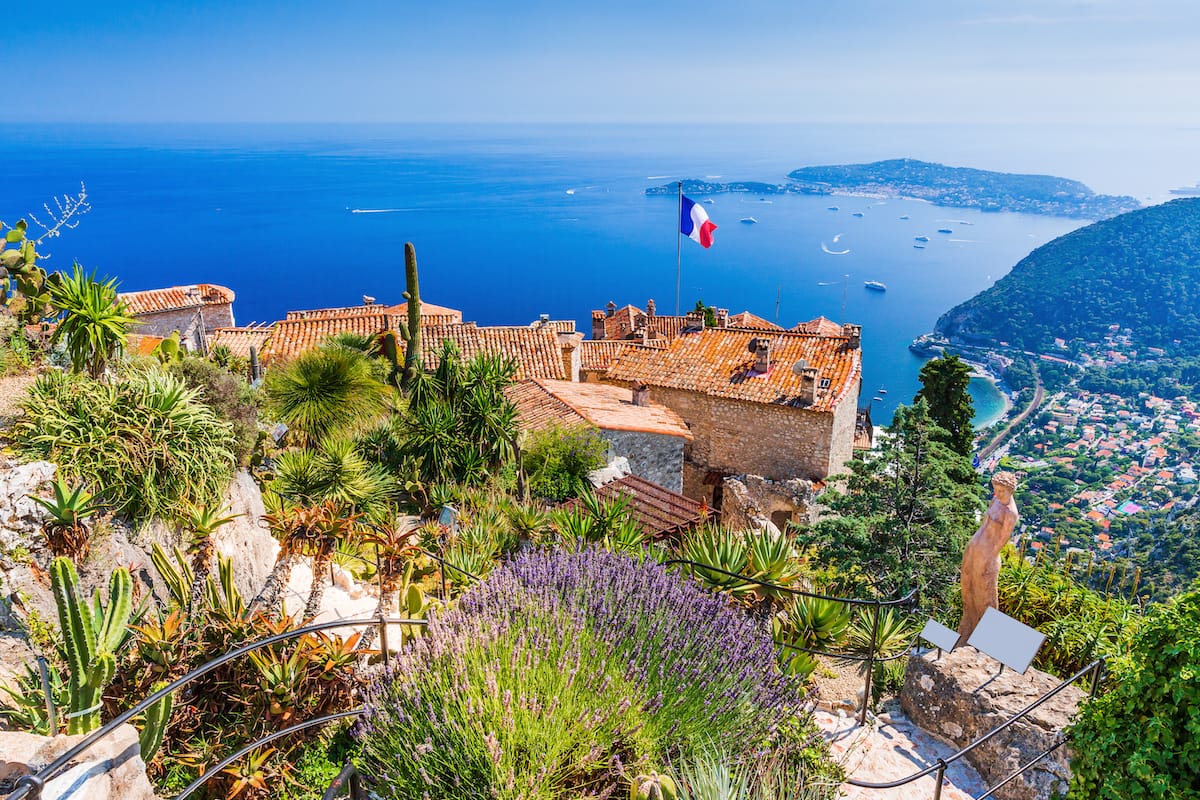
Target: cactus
410,332
155,725
652,787
92,634
168,351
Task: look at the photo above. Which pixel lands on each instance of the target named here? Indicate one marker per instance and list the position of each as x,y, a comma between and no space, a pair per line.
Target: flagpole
678,244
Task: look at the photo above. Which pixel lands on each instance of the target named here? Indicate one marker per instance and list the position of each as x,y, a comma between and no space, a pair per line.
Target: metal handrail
1096,668
31,785
225,762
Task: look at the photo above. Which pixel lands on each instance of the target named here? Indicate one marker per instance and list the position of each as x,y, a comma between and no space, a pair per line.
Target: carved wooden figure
981,559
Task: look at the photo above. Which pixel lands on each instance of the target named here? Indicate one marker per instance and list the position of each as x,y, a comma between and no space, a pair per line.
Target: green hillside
1140,270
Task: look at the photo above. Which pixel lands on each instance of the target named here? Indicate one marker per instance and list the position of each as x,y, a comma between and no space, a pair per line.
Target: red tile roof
660,511
630,320
821,326
598,354
717,362
542,402
430,314
240,340
748,320
291,337
536,350
556,325
174,298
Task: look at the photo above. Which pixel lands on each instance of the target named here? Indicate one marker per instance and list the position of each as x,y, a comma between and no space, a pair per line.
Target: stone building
651,436
632,323
193,311
781,405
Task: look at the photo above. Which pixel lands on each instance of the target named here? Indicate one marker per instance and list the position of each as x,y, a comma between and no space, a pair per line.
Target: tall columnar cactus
157,716
411,331
92,633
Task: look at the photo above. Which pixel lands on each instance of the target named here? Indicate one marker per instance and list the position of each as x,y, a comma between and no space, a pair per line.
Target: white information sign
939,635
1014,644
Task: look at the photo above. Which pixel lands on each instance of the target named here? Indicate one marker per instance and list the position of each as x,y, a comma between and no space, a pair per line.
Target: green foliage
711,775
94,323
145,439
154,726
944,384
905,516
226,393
724,549
1140,270
559,458
334,470
24,289
812,624
325,392
1080,624
168,351
710,314
66,527
93,634
1142,737
411,331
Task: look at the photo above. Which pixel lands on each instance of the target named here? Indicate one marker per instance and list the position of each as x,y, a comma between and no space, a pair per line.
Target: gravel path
13,389
891,749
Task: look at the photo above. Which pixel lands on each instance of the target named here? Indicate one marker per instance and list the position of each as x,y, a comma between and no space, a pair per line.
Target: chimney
641,394
543,318
722,317
808,385
854,334
610,309
650,308
598,329
762,356
694,319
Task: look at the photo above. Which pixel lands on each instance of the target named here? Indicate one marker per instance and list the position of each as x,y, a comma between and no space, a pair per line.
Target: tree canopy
944,383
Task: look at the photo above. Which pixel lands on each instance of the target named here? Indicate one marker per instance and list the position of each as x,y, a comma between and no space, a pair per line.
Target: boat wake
833,252
656,177
378,210
971,241
837,237
828,283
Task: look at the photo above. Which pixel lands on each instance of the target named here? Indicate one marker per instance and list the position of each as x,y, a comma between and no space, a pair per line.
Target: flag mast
678,243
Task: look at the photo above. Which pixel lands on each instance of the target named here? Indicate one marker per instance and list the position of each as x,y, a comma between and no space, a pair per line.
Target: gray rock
245,540
112,769
956,699
615,470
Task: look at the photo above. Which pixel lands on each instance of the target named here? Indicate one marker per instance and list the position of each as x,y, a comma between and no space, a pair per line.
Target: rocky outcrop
111,769
959,698
753,502
245,540
18,514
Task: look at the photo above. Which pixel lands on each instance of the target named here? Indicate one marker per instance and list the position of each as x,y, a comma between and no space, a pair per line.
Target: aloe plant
92,635
724,549
66,528
810,623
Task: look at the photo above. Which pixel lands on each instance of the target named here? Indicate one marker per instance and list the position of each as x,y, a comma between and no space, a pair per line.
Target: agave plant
772,559
715,546
66,528
893,637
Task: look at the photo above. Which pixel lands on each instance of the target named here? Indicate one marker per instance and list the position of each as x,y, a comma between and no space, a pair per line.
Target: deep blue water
513,222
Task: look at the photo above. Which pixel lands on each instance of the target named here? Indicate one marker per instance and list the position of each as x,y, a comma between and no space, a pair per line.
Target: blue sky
615,61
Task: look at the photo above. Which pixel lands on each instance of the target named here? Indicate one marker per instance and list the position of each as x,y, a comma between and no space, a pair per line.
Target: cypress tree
944,383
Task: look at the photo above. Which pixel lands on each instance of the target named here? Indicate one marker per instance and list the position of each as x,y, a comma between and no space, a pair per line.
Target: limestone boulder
245,540
616,469
110,770
959,698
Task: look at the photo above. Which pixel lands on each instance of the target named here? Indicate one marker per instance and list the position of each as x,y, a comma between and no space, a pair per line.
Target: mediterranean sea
512,222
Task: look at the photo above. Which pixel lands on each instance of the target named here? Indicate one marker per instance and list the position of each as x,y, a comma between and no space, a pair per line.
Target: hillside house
651,436
781,405
193,311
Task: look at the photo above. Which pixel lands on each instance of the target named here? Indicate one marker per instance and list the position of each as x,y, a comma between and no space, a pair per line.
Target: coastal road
1039,394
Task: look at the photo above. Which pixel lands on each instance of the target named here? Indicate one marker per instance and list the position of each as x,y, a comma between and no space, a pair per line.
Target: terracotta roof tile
821,326
748,320
430,314
291,337
142,345
556,325
598,354
605,406
536,351
660,511
717,362
240,340
173,298
628,321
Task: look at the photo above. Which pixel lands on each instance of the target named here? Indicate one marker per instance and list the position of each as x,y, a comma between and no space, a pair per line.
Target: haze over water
513,221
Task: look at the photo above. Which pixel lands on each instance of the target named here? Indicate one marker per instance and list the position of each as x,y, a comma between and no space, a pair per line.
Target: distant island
959,187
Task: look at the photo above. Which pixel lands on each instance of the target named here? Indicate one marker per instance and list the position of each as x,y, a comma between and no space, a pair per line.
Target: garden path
893,748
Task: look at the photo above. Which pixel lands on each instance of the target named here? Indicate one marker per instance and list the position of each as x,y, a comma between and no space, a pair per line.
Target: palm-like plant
333,471
326,392
66,528
201,522
95,321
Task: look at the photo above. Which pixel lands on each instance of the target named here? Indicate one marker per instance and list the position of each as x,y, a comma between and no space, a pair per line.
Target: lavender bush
563,672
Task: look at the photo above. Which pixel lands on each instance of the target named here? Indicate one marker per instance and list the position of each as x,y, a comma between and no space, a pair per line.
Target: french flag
694,222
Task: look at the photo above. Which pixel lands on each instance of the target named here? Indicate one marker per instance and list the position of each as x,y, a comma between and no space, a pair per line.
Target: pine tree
944,383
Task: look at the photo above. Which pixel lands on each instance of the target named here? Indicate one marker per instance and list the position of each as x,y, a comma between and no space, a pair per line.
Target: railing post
866,701
1097,674
383,639
939,778
356,788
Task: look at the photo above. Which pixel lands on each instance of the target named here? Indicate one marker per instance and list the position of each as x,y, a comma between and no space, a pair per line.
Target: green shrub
229,396
1142,738
144,443
558,459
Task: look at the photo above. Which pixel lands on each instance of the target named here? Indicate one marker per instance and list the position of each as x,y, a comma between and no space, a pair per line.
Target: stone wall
654,456
752,501
959,698
187,322
736,437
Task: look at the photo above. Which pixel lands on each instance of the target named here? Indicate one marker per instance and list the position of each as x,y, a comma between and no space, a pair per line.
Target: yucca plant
94,323
323,392
66,528
200,523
